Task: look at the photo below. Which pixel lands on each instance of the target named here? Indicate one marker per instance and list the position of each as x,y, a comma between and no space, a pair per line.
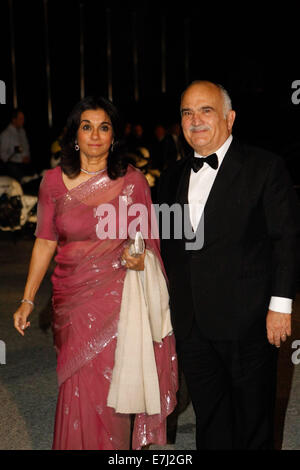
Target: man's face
18,121
202,118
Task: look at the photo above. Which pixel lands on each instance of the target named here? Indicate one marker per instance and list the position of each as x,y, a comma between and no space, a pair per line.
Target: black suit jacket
249,253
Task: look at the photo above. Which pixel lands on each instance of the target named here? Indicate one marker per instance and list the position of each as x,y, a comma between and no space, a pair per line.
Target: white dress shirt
199,189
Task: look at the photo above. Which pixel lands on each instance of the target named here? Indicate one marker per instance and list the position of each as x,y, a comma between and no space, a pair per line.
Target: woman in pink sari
88,281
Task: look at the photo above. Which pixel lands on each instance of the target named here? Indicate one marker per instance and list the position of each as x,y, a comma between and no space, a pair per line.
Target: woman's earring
112,148
76,146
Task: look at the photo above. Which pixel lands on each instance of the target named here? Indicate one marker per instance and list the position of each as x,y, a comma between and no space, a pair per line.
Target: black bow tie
197,163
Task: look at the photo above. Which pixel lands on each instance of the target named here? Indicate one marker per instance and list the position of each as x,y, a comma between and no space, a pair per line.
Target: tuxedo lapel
230,167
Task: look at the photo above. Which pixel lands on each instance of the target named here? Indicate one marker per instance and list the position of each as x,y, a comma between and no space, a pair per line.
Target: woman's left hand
133,262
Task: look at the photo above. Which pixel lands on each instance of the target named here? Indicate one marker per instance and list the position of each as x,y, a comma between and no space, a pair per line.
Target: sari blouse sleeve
46,211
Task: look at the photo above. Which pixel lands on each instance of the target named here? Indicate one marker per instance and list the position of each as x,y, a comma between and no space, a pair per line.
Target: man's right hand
278,327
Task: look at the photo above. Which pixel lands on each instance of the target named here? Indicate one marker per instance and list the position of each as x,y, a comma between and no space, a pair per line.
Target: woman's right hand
42,253
20,317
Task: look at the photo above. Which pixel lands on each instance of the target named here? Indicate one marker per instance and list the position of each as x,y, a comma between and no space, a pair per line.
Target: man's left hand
278,327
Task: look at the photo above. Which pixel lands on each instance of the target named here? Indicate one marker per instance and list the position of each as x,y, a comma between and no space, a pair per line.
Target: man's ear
230,119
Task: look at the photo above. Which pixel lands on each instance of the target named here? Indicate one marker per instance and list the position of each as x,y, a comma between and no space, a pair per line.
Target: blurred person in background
14,147
173,149
157,147
56,149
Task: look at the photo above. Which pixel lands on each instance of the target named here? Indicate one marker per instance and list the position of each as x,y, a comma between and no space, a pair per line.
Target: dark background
253,52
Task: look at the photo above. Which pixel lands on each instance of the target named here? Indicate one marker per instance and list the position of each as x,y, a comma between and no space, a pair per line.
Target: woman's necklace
92,172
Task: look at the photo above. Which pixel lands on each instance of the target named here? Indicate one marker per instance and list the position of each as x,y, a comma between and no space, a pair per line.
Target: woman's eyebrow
100,124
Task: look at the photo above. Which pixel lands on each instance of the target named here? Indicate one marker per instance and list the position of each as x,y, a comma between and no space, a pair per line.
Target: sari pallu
87,291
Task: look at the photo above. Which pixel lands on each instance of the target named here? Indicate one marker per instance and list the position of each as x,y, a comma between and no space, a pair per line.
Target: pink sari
87,291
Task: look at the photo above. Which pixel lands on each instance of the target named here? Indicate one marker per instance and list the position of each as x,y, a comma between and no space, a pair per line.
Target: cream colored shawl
144,318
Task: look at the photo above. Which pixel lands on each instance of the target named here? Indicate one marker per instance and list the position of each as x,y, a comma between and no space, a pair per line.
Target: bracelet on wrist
27,302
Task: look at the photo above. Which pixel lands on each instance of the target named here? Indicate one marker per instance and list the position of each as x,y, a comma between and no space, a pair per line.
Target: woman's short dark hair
70,160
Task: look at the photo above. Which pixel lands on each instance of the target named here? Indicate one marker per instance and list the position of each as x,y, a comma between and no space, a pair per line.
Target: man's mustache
199,128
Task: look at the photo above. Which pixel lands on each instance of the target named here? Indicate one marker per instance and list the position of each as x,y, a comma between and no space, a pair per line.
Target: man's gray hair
227,105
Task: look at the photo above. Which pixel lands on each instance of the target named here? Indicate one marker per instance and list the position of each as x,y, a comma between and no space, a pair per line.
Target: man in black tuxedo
230,298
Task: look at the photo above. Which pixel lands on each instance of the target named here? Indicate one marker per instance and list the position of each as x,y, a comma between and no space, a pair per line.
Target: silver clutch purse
137,246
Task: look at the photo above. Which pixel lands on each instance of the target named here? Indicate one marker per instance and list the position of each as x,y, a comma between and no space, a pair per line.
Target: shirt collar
221,152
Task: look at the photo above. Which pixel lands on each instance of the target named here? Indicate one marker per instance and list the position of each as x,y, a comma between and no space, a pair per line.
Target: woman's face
95,134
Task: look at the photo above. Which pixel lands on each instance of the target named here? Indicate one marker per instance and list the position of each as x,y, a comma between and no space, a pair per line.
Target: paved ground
28,387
